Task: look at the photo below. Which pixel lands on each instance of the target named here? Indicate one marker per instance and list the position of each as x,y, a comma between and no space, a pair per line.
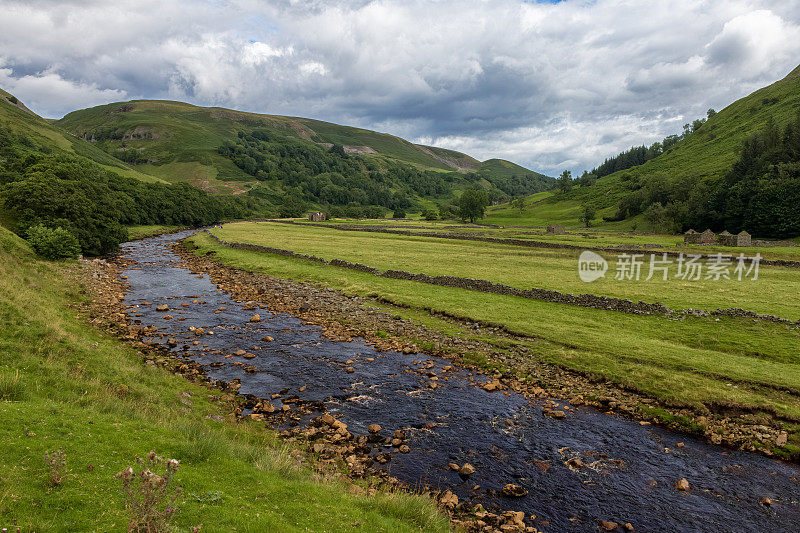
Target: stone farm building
556,229
691,237
708,237
319,216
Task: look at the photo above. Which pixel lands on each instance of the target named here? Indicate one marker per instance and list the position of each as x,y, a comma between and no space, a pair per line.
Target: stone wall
520,242
592,301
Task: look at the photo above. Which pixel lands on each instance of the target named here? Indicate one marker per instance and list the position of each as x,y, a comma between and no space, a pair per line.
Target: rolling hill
691,168
16,118
180,142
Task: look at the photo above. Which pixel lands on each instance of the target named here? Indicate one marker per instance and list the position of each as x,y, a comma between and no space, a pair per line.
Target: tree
430,214
472,204
565,181
710,113
518,203
587,215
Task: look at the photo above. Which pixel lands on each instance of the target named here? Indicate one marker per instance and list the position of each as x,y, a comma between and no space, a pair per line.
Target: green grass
522,267
706,155
140,232
694,362
66,385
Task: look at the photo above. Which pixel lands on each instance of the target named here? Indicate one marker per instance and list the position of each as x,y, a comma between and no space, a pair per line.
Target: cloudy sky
548,85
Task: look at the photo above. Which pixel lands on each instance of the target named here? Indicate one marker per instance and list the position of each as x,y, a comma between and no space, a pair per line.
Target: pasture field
590,238
523,267
696,362
66,385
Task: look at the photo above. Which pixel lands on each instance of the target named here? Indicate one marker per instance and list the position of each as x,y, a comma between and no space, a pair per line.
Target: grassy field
592,237
522,267
696,362
66,385
140,232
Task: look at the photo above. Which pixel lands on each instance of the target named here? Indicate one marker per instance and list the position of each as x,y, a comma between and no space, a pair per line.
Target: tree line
760,193
41,187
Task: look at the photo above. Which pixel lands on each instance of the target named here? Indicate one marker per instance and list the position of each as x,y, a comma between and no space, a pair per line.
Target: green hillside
689,170
19,120
51,178
180,142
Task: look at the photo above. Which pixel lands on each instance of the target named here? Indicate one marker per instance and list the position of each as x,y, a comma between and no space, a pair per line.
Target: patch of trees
760,194
94,204
332,177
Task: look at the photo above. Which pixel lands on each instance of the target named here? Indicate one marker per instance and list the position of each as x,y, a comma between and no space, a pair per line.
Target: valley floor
735,380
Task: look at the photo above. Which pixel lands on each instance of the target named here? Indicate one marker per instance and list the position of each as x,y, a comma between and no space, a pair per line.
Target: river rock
514,491
448,500
782,439
682,485
608,526
255,318
374,429
162,308
493,386
404,448
466,470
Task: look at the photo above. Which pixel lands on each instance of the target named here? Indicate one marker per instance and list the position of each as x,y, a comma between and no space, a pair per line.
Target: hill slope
690,168
180,142
19,120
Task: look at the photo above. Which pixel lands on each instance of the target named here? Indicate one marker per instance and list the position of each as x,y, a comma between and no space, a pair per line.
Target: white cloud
41,89
545,85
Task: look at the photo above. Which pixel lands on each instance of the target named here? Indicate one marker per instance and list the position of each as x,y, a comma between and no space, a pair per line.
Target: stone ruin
556,229
740,239
708,237
725,238
319,216
743,239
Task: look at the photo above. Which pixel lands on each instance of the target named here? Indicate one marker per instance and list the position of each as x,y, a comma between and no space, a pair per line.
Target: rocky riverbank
344,317
316,438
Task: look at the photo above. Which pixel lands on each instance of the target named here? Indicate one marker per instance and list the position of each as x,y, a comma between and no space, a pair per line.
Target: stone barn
708,237
556,229
726,239
319,216
743,239
691,237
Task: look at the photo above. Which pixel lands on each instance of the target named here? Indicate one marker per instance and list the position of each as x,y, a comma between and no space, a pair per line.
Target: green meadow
525,268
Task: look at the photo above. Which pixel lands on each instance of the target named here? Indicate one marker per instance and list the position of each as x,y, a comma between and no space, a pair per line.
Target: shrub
399,213
53,243
430,214
149,496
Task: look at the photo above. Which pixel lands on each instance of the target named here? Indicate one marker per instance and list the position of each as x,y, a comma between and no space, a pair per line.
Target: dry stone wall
519,242
592,301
